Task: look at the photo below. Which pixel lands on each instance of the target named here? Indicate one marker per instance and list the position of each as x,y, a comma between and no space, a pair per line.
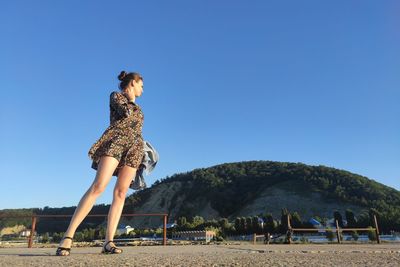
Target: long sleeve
120,104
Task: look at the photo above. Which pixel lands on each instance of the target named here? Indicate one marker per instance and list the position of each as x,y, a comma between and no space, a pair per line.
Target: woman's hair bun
122,75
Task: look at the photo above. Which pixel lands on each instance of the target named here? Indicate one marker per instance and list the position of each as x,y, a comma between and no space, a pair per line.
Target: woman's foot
64,248
110,248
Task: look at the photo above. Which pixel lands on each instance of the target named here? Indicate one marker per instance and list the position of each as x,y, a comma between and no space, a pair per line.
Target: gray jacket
149,161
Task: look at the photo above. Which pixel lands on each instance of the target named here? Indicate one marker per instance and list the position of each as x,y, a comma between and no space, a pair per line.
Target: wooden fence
338,230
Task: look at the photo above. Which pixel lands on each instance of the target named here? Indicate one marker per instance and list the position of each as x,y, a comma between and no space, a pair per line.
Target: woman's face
138,87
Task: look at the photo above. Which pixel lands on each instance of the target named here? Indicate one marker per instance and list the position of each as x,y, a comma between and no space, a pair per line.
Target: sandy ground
212,255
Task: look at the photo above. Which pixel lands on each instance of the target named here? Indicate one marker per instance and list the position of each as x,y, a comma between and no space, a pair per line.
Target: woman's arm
121,104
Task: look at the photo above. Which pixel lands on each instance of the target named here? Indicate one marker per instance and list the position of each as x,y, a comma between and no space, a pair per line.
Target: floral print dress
123,138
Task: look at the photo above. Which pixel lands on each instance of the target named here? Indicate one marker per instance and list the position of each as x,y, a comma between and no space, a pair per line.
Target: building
124,229
168,226
194,235
316,223
25,233
332,222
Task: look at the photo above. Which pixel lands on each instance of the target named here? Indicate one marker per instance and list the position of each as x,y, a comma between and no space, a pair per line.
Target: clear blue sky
315,82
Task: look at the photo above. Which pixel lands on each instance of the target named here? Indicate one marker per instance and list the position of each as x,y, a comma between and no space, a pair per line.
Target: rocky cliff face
169,198
292,196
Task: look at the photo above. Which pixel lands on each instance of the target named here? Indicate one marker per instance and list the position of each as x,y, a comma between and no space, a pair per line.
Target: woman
118,152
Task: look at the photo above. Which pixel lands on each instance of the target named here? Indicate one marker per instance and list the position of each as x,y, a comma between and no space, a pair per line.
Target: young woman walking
118,152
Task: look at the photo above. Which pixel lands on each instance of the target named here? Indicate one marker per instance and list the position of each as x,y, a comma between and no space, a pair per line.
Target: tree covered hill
235,189
250,188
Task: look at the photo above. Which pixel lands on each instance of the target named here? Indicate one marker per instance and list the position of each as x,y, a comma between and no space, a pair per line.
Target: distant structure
194,235
25,233
315,223
124,229
169,225
331,223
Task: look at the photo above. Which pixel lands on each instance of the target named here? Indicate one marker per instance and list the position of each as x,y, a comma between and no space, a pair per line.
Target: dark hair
126,77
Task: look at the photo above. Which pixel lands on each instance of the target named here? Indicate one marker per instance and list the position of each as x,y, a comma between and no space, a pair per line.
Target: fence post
289,230
30,241
378,240
254,238
337,232
165,231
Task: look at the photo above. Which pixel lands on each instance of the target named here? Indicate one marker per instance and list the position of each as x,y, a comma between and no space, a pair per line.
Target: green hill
249,188
256,187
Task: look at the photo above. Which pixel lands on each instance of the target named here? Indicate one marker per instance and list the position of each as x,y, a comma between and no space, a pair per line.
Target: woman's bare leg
104,173
125,176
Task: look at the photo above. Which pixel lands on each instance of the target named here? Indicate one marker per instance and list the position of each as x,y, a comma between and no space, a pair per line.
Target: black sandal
112,250
61,249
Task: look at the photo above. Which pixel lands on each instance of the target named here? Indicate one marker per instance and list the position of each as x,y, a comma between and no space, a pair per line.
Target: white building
124,230
25,233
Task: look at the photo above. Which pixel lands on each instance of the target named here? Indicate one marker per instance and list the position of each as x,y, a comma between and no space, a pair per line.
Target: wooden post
337,232
165,231
289,230
378,240
267,238
30,241
254,238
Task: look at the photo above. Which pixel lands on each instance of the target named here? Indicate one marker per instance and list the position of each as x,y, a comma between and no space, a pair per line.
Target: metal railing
35,216
338,230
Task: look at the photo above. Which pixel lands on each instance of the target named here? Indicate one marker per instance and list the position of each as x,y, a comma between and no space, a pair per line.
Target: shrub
45,238
303,240
79,237
371,234
57,237
354,235
330,235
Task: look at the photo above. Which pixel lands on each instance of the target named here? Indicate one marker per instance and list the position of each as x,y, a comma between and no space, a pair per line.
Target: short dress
123,139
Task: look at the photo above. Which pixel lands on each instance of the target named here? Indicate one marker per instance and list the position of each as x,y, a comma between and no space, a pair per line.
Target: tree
182,221
373,212
243,225
329,234
296,220
351,220
79,237
45,238
284,222
255,224
363,219
132,234
354,235
371,234
197,220
101,233
249,225
270,224
224,223
213,222
338,217
88,234
238,225
57,237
